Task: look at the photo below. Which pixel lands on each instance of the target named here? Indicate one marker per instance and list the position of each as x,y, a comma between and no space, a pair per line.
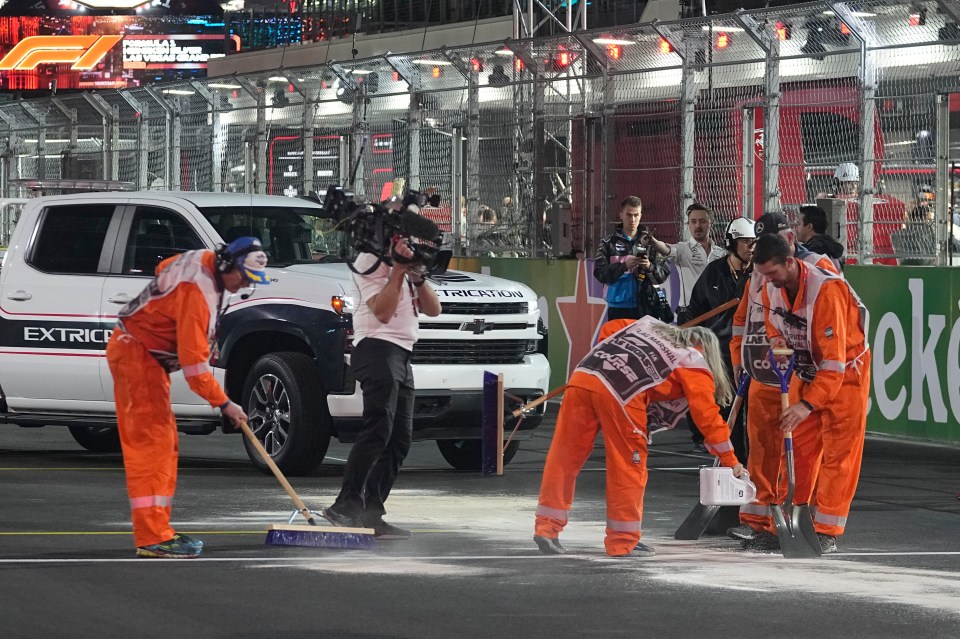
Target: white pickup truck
74,260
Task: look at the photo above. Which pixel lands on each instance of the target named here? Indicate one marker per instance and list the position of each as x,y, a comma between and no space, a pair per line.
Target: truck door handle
119,298
19,296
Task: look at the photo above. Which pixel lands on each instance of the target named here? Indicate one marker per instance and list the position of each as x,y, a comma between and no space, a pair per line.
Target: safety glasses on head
254,268
246,255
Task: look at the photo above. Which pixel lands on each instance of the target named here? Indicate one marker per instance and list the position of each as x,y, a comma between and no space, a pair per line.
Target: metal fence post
864,32
771,116
8,168
169,166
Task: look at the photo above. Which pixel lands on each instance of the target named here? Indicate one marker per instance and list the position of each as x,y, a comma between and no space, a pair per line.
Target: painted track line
307,558
339,557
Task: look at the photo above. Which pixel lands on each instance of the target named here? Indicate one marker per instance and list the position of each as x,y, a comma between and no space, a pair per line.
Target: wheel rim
269,413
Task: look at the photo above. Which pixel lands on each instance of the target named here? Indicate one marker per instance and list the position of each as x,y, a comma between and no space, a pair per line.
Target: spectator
487,215
625,266
720,282
919,239
692,256
811,232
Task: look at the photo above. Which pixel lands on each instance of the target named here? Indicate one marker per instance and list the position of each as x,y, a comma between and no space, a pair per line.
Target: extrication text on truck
284,351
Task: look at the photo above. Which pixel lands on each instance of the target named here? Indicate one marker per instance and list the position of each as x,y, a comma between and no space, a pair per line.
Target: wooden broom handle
699,319
276,471
696,320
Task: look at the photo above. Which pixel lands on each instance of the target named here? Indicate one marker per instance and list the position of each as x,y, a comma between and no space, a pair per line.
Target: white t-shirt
403,327
691,259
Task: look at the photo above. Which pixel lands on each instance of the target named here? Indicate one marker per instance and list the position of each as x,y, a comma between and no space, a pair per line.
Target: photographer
624,264
385,330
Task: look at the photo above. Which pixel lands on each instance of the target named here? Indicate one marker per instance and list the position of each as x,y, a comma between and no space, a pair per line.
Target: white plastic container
718,487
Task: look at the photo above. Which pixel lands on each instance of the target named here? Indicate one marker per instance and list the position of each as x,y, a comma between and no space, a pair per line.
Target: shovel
798,539
701,516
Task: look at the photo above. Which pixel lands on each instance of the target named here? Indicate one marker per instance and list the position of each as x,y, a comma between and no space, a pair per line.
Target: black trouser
386,379
738,434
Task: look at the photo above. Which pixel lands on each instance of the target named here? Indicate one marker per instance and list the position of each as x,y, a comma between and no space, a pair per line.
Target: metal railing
532,143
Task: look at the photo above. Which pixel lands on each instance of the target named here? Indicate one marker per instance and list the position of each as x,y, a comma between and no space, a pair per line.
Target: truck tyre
287,411
97,439
466,454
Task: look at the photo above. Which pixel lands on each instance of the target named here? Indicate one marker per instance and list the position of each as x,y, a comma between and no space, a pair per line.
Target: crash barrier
914,331
532,143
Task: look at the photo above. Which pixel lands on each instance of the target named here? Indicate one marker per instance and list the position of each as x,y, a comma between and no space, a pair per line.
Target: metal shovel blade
794,542
696,522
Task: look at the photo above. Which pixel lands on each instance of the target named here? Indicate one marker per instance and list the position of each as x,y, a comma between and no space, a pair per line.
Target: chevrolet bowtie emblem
478,326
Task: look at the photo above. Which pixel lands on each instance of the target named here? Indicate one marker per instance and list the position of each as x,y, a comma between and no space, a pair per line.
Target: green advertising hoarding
915,335
914,332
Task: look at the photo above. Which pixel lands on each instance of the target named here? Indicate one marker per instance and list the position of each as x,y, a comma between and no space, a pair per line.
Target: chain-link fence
533,143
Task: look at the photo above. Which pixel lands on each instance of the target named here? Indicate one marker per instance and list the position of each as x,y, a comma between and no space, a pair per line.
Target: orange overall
171,321
748,349
832,375
589,407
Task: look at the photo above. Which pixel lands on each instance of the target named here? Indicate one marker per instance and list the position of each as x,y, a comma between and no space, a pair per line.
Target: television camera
371,228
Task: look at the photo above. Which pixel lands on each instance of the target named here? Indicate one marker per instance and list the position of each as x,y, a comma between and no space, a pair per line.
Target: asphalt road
67,567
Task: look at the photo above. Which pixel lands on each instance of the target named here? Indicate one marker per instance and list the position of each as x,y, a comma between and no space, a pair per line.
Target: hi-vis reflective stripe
738,331
623,526
151,501
196,369
722,447
755,509
552,513
832,365
830,520
83,51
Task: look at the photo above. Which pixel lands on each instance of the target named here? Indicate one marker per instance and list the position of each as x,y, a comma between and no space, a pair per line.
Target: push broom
312,534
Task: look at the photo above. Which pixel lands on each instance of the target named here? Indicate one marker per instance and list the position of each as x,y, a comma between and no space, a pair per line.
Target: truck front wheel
287,411
97,439
467,454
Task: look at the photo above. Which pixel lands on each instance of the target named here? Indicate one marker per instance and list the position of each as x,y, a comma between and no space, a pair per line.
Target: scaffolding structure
745,112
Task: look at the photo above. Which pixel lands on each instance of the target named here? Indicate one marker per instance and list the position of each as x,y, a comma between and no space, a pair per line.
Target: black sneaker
743,531
549,545
763,542
828,544
384,531
339,519
640,550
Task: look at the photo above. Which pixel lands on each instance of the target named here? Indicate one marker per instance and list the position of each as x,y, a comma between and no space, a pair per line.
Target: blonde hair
704,340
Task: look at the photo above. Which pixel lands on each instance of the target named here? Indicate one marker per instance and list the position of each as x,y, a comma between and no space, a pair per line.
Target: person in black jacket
631,272
721,281
811,232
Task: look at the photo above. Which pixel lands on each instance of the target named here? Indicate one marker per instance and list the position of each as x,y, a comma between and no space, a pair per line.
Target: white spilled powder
503,526
705,568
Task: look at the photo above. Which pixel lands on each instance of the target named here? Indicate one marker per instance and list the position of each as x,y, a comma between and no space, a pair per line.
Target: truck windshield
290,235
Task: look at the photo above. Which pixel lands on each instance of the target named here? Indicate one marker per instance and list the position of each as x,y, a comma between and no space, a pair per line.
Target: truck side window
155,235
71,238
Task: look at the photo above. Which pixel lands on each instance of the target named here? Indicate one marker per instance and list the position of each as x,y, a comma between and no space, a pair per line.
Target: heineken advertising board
914,332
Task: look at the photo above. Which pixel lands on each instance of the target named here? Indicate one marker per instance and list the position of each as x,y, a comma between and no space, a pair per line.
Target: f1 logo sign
83,51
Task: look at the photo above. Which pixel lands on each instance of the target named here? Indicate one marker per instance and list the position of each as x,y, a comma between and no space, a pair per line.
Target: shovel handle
276,471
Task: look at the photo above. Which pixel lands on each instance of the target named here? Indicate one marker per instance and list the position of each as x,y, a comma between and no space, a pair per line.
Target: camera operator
385,329
624,264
